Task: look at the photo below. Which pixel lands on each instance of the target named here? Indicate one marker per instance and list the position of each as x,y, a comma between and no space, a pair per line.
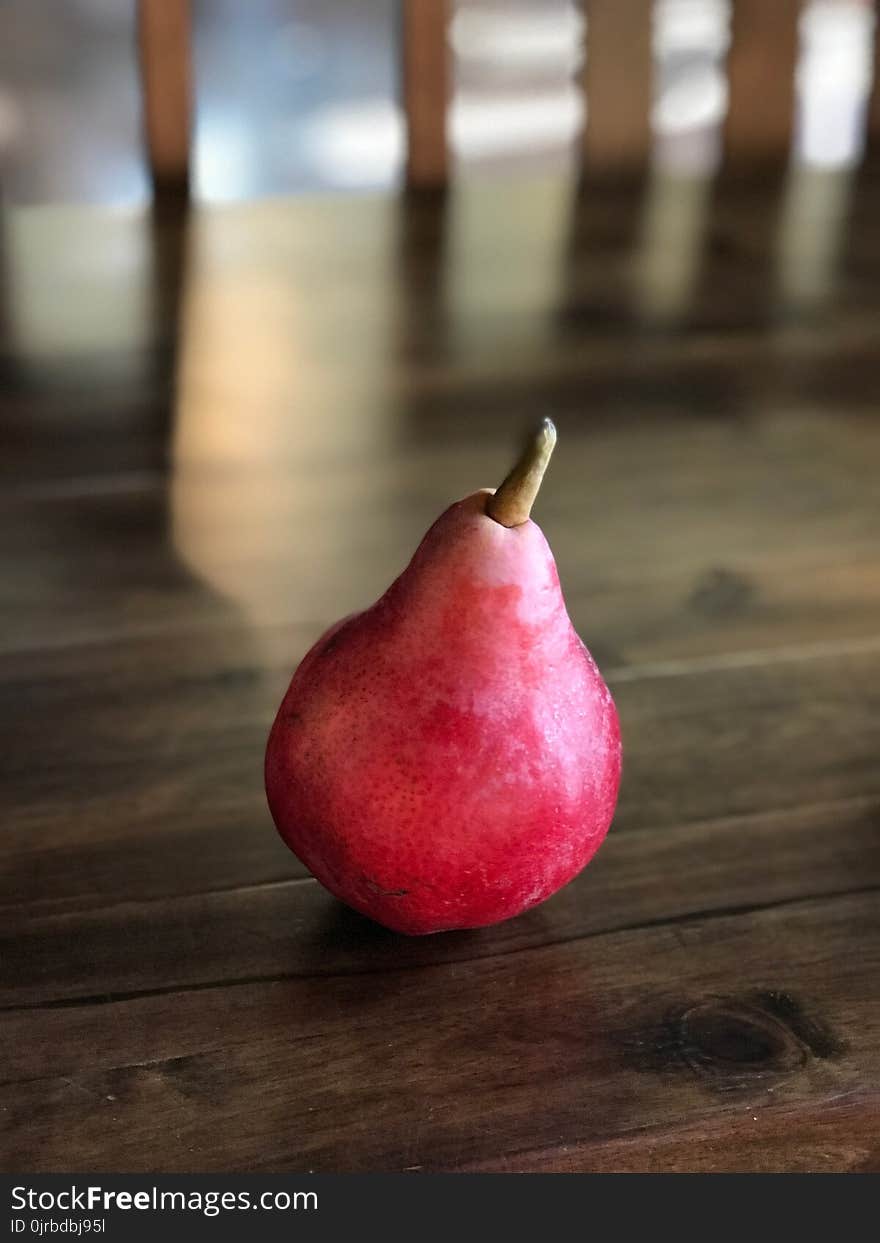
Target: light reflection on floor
252,397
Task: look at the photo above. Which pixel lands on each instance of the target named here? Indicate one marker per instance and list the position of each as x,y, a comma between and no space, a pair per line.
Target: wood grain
181,774
247,932
632,1033
240,437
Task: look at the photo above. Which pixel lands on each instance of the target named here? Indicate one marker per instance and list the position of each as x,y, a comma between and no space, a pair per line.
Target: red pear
451,756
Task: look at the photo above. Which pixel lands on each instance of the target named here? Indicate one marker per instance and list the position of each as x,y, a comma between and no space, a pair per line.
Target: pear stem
512,504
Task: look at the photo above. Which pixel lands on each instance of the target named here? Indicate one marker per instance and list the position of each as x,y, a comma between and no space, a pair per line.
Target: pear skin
451,756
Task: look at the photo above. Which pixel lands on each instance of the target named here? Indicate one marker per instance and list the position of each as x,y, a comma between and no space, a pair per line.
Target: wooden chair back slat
761,66
618,84
425,73
166,76
617,80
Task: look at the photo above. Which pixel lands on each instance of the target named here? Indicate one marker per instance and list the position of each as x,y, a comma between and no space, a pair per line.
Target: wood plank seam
696,917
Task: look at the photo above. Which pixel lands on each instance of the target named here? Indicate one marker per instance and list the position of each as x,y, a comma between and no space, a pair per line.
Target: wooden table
221,434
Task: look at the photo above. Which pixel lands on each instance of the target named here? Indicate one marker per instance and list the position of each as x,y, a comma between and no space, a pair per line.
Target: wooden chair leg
425,57
761,67
166,78
873,116
618,84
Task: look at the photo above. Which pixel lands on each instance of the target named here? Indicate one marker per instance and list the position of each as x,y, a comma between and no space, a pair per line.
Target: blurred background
298,95
280,267
281,279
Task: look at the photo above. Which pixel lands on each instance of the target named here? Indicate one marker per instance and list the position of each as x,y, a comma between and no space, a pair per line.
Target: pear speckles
451,756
